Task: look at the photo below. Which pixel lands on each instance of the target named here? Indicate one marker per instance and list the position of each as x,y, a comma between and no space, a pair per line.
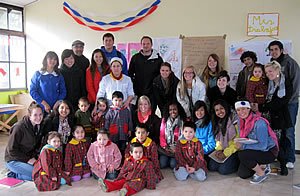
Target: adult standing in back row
143,68
291,71
80,60
110,51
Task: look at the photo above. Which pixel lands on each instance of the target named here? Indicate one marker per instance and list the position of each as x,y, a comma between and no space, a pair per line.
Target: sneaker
123,192
256,179
297,186
290,165
11,174
267,169
284,171
102,184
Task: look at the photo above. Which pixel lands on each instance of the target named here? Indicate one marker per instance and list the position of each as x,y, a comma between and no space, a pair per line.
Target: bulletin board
195,50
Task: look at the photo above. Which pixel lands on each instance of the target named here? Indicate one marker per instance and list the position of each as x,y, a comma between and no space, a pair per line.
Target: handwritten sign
195,50
263,24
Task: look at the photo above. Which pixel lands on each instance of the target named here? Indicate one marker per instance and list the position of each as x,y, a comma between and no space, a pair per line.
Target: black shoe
11,175
284,171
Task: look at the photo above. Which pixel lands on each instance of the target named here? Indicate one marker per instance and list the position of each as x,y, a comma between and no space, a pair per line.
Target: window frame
15,33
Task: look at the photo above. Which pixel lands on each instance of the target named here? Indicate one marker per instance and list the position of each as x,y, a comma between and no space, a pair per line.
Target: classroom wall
47,27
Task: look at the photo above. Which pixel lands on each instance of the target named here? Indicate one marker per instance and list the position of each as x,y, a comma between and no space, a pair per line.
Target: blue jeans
181,174
22,170
228,167
109,176
290,132
166,161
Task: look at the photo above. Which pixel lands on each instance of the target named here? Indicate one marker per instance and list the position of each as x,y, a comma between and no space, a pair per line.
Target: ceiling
20,3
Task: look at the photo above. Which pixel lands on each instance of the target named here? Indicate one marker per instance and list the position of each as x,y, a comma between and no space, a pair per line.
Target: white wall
48,28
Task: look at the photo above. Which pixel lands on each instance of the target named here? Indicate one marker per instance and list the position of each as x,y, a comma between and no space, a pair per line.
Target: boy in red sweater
136,174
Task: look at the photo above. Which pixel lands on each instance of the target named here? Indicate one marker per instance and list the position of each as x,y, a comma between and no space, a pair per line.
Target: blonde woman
190,89
145,115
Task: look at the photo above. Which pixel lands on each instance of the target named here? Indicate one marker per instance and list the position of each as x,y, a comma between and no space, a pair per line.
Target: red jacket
190,153
49,165
92,85
150,152
138,174
76,158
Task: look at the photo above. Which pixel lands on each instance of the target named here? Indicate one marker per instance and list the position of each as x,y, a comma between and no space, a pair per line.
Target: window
12,48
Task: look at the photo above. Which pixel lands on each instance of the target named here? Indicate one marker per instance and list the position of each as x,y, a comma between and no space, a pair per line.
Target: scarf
49,147
64,129
166,84
143,119
116,78
170,128
272,88
198,123
247,125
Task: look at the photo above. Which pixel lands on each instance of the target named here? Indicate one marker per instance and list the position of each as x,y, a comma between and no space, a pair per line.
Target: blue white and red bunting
114,25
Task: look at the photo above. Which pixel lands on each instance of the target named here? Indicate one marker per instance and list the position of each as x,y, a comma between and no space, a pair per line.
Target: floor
214,185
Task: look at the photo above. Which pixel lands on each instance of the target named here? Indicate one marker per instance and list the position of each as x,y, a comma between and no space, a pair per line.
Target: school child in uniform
83,116
189,155
48,174
257,86
150,148
170,131
104,157
118,121
76,164
98,116
136,174
204,131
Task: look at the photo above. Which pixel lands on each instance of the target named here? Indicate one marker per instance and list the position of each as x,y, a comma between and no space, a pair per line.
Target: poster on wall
170,51
263,24
18,75
4,76
128,50
195,50
236,49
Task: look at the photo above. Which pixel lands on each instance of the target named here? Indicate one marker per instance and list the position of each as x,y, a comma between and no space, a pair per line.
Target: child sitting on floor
104,157
76,164
48,172
189,155
150,148
136,174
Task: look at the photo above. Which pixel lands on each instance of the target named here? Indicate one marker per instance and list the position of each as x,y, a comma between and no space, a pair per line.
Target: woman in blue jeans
24,143
224,129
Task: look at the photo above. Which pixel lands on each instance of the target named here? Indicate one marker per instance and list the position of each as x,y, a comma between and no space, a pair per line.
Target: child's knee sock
63,181
87,175
76,178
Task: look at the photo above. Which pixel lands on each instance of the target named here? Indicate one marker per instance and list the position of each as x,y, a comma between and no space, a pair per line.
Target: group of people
100,119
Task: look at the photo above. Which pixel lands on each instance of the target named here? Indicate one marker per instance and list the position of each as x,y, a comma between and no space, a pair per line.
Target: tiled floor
214,185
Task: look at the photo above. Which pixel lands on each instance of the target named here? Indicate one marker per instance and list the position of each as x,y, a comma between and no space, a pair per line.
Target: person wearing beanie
116,81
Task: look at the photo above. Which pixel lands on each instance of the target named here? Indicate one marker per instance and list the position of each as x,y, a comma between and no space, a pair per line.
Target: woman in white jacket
116,81
190,89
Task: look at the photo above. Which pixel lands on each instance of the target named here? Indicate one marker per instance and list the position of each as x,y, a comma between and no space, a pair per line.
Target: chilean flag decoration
109,26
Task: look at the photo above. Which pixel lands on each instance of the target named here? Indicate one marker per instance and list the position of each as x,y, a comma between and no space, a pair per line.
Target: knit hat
77,42
242,104
116,59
